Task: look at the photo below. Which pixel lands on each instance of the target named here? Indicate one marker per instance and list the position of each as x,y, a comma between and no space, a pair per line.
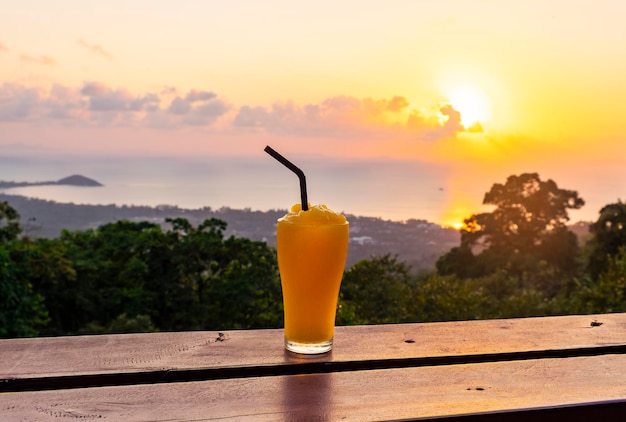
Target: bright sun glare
471,102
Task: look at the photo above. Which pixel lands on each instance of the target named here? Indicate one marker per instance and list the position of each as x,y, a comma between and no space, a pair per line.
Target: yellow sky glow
544,80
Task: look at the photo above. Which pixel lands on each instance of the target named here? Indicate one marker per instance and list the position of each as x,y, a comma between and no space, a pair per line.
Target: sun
471,102
455,225
457,211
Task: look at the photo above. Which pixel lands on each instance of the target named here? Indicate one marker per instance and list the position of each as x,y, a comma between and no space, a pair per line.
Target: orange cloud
397,104
349,117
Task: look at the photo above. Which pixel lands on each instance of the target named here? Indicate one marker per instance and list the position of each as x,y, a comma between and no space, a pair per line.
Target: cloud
98,103
16,102
149,102
431,128
476,128
206,114
397,104
93,88
251,117
64,103
340,117
453,124
104,98
344,116
95,49
19,103
194,96
41,60
169,90
3,48
110,101
198,107
179,106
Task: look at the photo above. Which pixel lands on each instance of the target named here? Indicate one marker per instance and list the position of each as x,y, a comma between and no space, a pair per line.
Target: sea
387,189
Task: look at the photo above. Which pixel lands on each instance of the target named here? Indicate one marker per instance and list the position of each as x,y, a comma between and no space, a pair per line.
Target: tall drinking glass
312,247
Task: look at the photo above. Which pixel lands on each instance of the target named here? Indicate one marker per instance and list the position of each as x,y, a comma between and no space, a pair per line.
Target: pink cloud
198,108
195,95
17,103
343,118
179,106
64,103
103,98
100,104
3,48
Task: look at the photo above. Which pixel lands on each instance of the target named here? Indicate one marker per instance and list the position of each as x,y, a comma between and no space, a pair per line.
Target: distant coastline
73,180
418,243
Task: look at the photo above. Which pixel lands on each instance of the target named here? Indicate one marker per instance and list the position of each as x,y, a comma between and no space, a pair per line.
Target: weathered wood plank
389,394
133,353
297,367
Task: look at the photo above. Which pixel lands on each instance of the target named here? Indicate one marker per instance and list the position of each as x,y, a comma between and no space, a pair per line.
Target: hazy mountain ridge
419,243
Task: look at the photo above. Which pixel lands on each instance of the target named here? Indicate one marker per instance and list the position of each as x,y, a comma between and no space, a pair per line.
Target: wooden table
552,368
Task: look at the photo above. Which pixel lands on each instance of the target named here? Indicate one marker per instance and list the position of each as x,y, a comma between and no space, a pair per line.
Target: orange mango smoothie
312,247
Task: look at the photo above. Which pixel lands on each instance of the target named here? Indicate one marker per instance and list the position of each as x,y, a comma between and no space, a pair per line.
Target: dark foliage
525,235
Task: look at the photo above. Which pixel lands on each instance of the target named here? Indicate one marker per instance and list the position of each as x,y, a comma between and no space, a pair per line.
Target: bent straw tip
296,170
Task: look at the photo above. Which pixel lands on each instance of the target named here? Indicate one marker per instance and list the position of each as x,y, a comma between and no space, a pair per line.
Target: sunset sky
484,89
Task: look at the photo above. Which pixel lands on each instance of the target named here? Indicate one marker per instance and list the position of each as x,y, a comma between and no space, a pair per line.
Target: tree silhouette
608,235
525,233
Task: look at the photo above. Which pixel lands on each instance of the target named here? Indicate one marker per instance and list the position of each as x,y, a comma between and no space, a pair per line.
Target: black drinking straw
292,167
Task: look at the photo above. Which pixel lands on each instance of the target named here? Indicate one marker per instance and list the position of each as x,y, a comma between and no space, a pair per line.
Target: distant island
73,180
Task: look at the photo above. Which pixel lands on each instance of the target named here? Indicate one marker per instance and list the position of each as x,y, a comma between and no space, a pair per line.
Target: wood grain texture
133,353
391,394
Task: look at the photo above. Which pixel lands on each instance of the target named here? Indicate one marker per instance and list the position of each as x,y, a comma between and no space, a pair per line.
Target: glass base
309,348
